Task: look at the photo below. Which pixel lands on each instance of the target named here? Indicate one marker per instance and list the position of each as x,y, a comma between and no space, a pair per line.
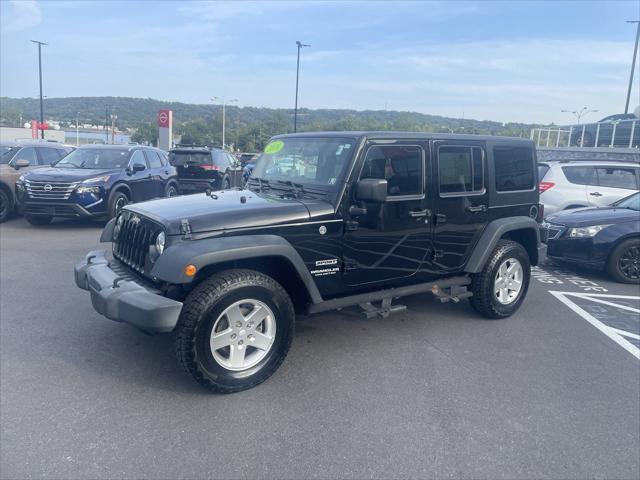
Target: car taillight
209,167
544,186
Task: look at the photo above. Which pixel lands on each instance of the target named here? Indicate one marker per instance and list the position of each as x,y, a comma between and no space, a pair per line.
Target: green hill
248,127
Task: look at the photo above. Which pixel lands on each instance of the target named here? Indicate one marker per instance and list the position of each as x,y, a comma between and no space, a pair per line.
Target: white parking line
614,334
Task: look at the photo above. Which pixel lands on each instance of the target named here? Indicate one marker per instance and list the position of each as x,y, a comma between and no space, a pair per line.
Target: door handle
477,208
418,213
595,194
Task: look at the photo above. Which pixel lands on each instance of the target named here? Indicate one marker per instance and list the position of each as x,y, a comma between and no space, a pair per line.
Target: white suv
574,184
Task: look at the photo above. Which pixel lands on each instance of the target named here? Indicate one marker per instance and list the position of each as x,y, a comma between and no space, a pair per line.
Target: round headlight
160,243
116,229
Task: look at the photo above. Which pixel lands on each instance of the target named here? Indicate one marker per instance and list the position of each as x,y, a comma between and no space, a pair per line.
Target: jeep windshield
312,162
95,158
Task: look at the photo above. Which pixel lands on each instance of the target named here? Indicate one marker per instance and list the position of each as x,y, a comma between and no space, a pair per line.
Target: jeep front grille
49,190
132,245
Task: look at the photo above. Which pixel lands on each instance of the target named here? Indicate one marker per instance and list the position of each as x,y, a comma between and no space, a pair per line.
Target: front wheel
235,330
624,262
172,191
6,205
500,288
117,202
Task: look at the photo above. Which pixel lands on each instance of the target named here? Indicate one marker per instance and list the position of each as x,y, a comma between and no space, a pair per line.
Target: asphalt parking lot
436,391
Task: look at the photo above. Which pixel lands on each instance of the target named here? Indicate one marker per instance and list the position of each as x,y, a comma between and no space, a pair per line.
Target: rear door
192,165
611,184
158,175
461,205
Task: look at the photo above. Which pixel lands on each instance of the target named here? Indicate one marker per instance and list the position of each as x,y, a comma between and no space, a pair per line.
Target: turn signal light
544,186
190,270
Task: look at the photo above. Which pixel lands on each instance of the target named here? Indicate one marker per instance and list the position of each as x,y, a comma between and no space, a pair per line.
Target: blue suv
96,181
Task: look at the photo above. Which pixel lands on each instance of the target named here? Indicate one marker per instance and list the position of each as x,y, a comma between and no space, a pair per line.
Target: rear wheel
6,205
172,191
117,202
39,219
235,330
500,288
624,262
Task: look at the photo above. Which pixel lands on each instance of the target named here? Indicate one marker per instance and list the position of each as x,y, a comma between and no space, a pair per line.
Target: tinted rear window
178,159
514,168
542,171
580,175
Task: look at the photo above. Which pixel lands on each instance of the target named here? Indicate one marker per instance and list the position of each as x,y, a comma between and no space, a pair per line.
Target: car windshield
6,154
632,202
95,158
313,161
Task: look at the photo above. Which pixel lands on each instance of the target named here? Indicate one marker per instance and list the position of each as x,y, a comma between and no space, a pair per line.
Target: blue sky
504,61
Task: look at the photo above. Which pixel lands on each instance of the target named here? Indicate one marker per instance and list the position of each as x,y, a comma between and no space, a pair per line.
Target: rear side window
514,168
617,177
460,170
542,171
580,175
49,155
153,158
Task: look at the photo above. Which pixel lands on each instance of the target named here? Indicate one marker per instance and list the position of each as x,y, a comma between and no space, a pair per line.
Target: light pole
224,106
77,130
633,64
295,111
40,74
579,113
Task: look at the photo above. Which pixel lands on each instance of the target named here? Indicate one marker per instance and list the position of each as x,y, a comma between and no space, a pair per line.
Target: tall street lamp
579,113
295,111
633,64
224,105
40,72
77,130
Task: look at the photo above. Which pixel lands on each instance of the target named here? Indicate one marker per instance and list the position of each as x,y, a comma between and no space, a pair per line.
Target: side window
137,158
401,166
460,170
514,168
153,158
617,177
580,175
27,153
49,155
220,159
164,158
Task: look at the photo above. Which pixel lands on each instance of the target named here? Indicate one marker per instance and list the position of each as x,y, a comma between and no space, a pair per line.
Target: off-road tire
39,220
484,300
6,205
114,201
613,265
199,313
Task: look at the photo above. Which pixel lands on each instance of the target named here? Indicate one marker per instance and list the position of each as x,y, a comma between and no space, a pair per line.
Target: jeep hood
222,211
52,174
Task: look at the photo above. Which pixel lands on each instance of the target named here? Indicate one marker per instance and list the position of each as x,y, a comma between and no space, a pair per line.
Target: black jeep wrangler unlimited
327,220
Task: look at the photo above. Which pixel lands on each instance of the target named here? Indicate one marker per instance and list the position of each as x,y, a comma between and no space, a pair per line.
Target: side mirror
137,167
371,190
21,163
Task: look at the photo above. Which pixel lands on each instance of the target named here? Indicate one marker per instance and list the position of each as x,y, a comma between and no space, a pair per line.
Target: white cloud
23,14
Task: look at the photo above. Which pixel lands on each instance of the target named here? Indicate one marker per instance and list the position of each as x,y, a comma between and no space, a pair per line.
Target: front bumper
68,210
122,299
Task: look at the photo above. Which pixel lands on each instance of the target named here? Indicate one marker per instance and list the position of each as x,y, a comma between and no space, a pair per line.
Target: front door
140,182
461,206
391,240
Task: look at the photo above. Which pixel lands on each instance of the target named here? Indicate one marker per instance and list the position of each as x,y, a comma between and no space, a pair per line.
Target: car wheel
226,183
39,220
235,330
6,205
624,262
500,288
117,202
172,191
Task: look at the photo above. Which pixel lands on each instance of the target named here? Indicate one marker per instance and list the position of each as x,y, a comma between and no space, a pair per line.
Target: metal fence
620,134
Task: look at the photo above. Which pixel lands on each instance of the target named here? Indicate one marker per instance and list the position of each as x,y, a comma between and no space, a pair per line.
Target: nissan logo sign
48,188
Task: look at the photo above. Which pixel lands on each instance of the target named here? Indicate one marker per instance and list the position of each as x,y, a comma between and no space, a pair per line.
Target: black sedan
606,238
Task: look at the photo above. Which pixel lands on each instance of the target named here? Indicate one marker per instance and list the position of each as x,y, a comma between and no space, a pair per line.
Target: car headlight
104,178
160,239
586,232
94,190
118,227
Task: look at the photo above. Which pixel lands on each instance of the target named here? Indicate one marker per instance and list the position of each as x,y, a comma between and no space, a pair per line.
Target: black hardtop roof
409,136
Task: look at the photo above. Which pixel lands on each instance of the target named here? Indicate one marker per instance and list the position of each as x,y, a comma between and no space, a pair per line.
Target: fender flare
120,186
202,253
494,232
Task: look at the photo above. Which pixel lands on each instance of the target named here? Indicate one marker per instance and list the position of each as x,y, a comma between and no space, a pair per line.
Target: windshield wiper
298,188
262,183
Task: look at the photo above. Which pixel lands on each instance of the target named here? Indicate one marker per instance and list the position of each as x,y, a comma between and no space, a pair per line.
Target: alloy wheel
243,335
508,281
629,263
